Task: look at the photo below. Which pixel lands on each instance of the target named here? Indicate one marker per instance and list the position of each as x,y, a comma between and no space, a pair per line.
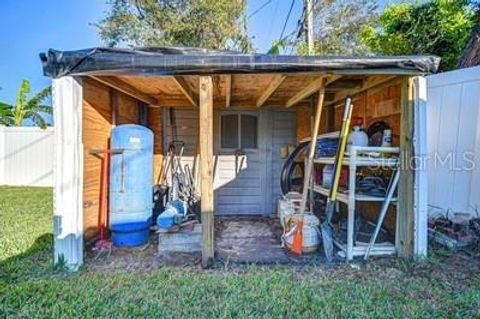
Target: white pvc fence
453,129
26,156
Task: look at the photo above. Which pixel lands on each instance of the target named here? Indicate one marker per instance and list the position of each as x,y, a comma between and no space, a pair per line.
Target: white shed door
247,166
240,164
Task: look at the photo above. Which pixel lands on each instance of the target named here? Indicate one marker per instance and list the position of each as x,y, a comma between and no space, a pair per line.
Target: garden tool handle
347,116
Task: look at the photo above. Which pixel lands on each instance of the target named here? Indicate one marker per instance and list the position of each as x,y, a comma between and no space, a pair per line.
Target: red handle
104,194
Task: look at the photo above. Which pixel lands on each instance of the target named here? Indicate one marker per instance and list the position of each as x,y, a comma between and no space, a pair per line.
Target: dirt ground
237,241
241,243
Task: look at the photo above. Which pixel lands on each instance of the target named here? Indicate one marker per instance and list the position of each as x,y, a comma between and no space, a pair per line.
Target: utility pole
309,12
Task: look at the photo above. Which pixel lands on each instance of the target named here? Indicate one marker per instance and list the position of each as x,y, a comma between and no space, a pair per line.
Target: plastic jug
357,137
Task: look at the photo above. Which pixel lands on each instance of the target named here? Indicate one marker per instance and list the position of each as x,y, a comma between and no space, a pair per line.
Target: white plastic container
357,138
285,208
311,238
288,205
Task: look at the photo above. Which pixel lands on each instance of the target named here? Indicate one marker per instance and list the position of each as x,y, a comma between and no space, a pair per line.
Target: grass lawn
443,286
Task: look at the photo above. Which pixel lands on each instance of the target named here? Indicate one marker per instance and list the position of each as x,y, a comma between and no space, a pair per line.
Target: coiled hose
286,176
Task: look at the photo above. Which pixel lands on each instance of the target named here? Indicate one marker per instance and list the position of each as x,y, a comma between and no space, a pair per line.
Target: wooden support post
405,209
206,169
313,143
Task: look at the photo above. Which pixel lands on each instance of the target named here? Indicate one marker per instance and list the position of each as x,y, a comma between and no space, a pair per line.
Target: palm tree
32,109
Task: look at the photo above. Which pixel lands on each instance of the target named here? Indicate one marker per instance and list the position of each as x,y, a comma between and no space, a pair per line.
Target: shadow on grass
34,263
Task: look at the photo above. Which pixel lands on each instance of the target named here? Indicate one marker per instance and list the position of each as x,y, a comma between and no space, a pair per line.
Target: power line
305,13
298,31
300,24
286,20
260,8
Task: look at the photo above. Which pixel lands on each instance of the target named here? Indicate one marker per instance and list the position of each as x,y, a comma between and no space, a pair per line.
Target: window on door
238,131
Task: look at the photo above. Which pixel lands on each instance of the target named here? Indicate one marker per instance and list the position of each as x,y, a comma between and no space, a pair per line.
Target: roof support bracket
186,90
313,87
126,88
276,81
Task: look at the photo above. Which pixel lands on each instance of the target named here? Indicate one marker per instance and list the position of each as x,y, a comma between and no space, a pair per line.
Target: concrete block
185,242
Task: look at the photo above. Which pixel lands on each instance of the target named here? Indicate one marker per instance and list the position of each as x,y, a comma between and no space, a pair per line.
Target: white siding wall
284,133
453,128
26,156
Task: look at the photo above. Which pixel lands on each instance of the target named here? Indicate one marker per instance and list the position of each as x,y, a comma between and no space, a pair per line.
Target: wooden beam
313,87
276,81
311,153
216,86
206,169
344,84
191,96
126,88
228,90
405,209
369,83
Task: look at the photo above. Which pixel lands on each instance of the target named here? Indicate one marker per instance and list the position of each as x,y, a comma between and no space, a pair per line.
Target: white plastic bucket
311,238
288,205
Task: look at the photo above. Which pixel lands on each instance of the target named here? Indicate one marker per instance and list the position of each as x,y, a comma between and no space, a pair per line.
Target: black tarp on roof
190,61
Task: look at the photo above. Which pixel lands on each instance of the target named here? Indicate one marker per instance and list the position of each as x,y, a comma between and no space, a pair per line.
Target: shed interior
287,99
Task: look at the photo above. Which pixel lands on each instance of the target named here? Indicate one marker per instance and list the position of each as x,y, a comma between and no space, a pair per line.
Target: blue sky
28,27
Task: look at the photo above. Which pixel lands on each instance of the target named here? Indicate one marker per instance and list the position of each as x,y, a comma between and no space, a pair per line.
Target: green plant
61,265
211,24
439,27
277,46
24,108
338,24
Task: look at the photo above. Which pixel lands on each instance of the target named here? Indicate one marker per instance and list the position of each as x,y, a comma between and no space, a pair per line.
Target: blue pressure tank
131,174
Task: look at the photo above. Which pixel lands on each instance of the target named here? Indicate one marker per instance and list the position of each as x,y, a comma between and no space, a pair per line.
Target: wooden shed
212,100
